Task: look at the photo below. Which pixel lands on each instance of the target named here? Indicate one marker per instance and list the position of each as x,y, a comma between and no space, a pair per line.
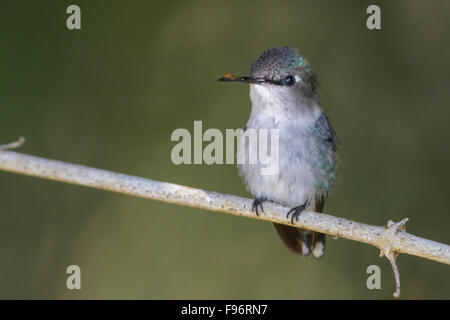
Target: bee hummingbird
284,92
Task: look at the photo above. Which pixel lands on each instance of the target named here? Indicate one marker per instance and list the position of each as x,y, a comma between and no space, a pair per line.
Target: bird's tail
301,241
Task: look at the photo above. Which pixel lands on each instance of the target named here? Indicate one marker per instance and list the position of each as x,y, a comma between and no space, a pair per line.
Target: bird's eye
289,80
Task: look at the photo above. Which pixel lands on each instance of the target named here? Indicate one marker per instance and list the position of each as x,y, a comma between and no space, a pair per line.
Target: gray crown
275,63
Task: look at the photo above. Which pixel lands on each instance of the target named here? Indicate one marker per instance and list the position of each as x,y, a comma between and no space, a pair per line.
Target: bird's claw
257,203
296,211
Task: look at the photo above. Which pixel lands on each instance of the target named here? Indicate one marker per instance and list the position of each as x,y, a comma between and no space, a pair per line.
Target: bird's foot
257,203
296,211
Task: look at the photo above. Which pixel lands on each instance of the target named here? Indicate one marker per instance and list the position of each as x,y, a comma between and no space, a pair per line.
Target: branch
391,240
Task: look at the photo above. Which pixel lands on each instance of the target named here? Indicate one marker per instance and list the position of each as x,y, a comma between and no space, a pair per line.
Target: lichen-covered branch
391,240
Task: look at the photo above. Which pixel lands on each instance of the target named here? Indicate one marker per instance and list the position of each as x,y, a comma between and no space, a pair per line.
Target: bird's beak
230,77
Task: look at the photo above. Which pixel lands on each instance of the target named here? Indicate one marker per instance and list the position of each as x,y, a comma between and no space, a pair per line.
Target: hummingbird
284,94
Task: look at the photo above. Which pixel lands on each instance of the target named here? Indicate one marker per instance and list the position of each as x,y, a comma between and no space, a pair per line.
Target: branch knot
392,229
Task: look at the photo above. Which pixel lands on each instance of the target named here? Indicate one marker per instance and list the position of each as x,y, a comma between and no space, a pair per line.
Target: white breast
293,184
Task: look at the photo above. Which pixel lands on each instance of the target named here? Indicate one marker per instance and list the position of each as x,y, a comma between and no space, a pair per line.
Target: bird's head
281,72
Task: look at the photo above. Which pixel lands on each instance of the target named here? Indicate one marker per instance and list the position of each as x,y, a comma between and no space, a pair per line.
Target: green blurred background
110,95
